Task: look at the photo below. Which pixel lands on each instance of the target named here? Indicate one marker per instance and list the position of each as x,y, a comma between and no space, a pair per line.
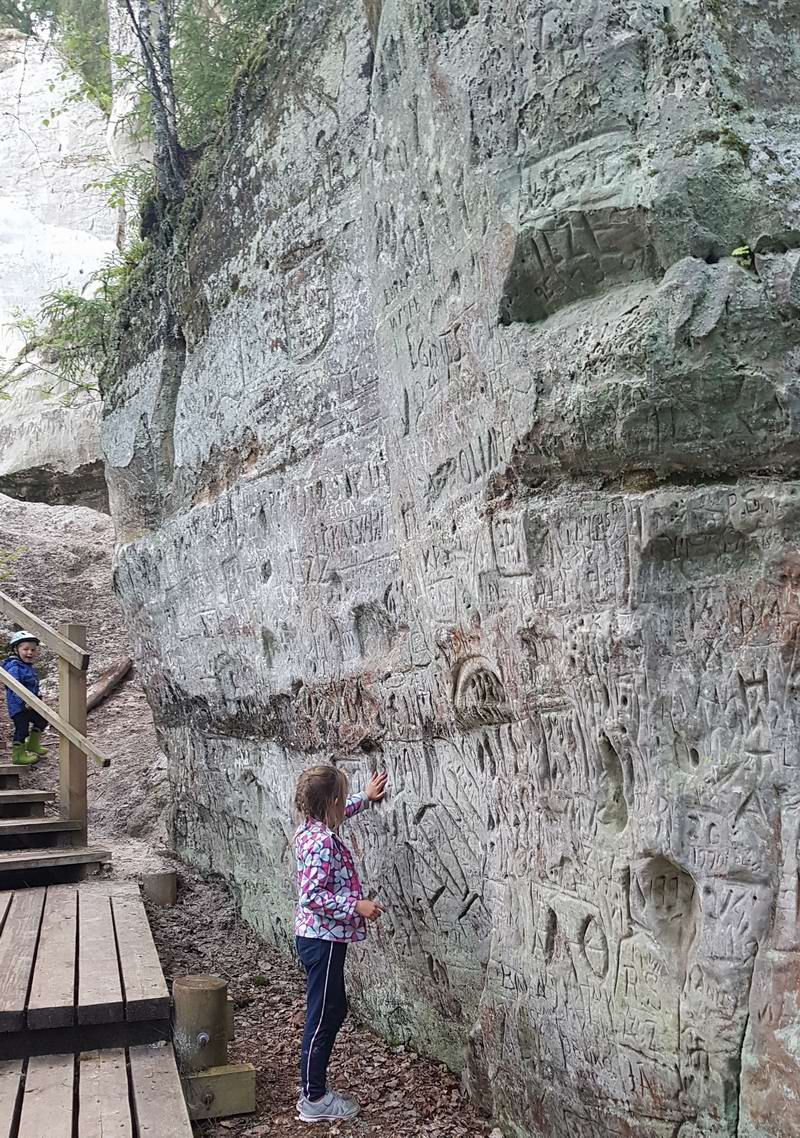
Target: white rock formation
54,232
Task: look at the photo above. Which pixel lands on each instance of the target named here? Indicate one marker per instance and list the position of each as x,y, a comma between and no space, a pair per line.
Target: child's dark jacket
27,677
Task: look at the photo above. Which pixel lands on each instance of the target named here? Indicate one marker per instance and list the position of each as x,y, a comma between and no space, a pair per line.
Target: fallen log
108,682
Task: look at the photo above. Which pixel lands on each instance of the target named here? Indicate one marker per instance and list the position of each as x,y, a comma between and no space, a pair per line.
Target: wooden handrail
54,719
77,656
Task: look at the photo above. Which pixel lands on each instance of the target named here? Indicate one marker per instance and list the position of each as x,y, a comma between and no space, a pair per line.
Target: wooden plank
71,760
10,827
6,897
158,1101
99,986
17,951
52,999
221,1092
144,986
54,719
111,888
11,861
104,1109
10,1091
23,797
48,1099
75,653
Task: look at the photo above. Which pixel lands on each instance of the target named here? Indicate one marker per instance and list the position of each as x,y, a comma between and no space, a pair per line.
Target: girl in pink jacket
331,913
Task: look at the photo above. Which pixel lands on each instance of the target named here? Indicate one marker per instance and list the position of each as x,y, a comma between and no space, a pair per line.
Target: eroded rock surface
452,438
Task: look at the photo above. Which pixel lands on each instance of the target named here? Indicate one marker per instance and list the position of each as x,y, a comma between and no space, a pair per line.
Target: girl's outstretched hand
376,787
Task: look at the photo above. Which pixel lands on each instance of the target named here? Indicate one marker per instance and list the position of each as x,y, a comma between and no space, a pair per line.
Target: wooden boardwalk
78,970
84,1017
84,1006
124,1093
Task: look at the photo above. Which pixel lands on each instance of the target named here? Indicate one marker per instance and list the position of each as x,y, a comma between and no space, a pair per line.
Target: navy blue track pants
326,1008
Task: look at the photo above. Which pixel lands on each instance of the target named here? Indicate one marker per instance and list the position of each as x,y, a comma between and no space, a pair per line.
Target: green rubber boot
34,746
20,756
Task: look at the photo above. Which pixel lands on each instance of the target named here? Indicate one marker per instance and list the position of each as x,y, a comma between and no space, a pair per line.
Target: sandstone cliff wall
448,436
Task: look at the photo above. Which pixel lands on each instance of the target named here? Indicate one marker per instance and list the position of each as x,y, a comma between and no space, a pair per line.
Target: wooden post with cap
213,1087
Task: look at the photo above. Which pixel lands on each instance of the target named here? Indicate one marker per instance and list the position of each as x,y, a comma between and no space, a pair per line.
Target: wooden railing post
71,760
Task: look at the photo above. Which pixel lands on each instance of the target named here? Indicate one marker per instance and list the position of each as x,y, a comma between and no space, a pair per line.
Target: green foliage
122,184
73,338
81,27
211,41
69,339
80,30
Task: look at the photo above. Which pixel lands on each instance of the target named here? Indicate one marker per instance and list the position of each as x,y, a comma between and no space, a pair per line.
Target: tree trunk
152,28
126,149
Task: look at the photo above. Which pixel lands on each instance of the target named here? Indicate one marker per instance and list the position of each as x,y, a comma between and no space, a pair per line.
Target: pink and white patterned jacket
327,882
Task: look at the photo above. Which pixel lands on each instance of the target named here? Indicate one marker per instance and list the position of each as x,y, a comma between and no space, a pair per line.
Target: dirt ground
402,1095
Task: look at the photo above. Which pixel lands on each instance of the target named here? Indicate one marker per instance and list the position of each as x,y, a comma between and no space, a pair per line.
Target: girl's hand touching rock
376,787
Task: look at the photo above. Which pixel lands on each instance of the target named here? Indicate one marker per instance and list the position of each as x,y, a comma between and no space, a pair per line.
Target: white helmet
21,638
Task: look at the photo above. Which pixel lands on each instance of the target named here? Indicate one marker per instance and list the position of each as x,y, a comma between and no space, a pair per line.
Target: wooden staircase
35,849
32,844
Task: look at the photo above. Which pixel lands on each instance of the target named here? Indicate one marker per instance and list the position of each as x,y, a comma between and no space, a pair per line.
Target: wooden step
9,827
23,797
29,833
17,803
159,1105
13,860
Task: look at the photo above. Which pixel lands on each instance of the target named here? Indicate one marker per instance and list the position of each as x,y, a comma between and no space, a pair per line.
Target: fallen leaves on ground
402,1095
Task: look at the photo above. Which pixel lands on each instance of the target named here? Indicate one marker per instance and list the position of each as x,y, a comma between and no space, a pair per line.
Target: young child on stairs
331,913
28,724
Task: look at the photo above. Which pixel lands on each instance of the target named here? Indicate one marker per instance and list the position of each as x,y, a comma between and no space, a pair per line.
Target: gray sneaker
331,1107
